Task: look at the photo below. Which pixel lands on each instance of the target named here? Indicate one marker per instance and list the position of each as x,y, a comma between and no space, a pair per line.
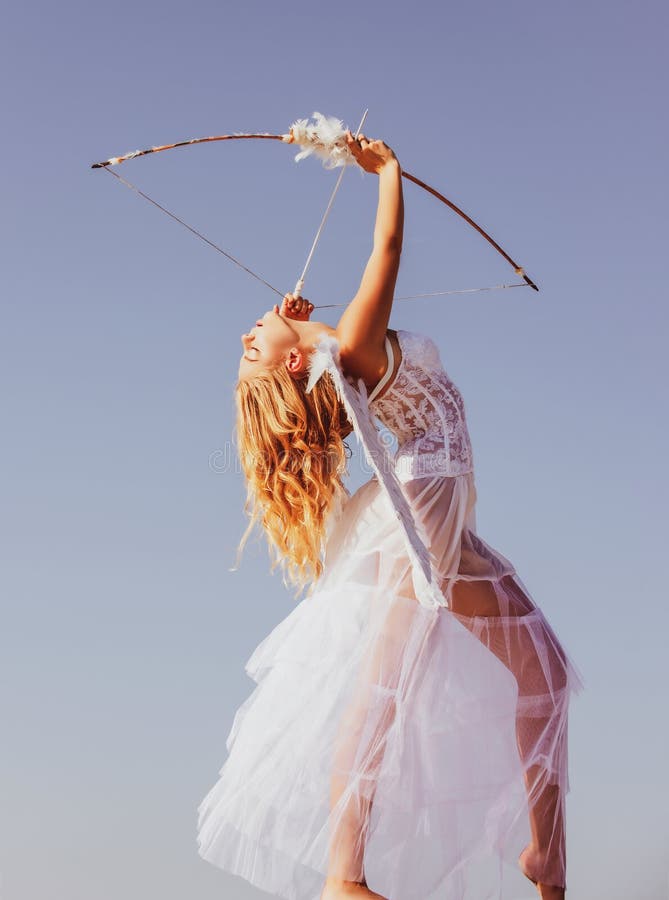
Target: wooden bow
286,138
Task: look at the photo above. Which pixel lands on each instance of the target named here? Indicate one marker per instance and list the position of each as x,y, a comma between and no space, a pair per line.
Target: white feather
326,358
324,138
321,359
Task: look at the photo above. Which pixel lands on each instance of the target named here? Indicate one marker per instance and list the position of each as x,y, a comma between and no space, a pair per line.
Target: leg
397,630
509,624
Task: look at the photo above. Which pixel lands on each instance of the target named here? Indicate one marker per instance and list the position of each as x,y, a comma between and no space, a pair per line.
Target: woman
387,743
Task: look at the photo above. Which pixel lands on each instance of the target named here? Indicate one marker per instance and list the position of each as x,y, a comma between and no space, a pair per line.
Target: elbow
389,244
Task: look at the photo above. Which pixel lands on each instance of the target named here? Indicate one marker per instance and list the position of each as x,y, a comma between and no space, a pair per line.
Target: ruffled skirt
421,750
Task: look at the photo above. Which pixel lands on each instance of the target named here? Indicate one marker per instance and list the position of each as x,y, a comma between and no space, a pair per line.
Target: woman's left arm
362,327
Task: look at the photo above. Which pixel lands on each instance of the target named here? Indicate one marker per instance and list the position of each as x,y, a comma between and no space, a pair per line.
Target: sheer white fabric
419,749
425,410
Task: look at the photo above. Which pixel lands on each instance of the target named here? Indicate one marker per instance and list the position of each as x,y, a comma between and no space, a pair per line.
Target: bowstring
237,262
476,290
194,231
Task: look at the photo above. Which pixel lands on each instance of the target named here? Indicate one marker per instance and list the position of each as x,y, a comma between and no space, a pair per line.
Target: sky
124,631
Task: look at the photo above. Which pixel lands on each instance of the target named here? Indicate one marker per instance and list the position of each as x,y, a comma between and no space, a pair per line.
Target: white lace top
425,411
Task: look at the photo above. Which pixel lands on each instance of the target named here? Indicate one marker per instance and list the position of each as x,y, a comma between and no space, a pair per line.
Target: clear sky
124,634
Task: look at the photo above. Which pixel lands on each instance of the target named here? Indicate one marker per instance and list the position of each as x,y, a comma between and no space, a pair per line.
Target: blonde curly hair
292,452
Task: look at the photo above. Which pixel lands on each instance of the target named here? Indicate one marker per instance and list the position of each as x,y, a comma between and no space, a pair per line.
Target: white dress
420,749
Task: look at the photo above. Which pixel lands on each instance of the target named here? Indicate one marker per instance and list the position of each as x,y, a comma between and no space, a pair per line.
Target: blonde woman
390,749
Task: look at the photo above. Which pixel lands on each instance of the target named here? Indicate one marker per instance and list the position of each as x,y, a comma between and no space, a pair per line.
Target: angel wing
326,358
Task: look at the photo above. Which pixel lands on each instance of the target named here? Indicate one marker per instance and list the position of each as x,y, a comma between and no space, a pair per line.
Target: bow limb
518,269
116,160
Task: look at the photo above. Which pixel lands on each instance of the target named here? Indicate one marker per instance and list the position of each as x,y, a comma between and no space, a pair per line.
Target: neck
311,332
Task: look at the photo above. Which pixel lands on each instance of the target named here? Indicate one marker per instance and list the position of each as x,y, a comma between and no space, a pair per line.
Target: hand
295,307
372,156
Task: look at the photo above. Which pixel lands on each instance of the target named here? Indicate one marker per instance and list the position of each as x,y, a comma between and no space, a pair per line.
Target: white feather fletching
326,358
324,138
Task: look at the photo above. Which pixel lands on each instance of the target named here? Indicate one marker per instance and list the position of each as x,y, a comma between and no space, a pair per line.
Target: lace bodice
425,411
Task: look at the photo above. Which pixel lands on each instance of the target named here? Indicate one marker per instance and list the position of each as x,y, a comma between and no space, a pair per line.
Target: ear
295,361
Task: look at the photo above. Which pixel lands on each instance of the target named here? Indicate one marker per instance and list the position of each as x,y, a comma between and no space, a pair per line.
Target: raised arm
362,327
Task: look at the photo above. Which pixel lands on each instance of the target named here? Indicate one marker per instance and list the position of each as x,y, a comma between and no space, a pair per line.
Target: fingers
355,144
370,155
296,307
362,141
357,147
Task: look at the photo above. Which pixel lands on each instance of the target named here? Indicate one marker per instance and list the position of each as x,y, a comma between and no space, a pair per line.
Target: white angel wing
326,358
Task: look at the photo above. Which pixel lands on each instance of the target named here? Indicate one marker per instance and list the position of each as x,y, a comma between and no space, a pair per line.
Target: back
424,409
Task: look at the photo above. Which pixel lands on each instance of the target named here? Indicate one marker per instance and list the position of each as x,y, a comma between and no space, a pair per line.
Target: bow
325,140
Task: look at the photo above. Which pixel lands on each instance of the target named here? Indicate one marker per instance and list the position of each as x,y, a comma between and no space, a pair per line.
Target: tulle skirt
418,749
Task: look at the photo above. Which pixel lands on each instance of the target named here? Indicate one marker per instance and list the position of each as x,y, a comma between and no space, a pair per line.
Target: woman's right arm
361,330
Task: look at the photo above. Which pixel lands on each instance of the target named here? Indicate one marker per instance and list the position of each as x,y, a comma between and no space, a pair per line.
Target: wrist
392,166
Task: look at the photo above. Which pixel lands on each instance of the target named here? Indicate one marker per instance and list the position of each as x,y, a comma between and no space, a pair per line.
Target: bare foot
338,890
546,891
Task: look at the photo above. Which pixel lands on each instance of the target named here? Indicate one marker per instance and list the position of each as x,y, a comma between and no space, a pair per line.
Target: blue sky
124,632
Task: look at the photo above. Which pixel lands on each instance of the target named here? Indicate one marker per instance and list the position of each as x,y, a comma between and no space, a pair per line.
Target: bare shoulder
371,361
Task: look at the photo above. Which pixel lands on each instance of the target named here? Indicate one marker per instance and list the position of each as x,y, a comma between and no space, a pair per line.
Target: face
269,342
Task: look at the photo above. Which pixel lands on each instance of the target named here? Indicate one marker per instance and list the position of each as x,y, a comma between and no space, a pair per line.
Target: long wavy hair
292,452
